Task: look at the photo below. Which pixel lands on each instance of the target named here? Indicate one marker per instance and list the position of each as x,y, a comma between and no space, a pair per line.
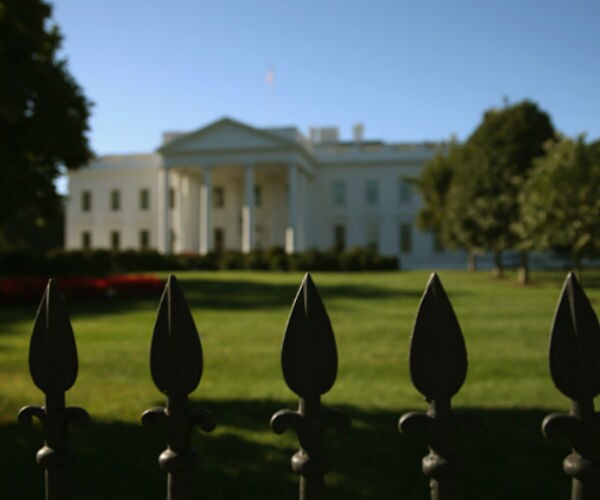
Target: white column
164,216
248,210
205,208
301,217
194,204
291,229
182,209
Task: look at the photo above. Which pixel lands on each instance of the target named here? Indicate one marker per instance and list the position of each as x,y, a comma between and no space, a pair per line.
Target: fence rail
438,369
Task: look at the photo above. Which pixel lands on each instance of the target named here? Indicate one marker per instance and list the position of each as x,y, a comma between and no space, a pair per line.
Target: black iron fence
438,368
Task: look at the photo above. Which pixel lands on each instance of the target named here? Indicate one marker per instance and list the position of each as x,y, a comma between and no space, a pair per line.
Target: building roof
125,161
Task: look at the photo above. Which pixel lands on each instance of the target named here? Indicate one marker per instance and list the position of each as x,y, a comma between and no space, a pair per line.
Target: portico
238,188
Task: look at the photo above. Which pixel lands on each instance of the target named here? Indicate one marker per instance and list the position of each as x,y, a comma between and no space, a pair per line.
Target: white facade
229,185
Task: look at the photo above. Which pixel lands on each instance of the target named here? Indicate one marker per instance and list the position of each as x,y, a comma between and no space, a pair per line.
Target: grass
240,317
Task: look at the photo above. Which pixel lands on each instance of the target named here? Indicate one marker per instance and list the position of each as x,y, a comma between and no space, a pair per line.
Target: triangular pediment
224,134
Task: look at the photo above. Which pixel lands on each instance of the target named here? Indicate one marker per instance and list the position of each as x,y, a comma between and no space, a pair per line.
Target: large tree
503,148
444,209
480,201
43,122
560,202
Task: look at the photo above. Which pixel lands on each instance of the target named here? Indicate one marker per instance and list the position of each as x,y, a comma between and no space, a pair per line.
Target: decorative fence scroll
53,367
438,368
575,370
437,365
309,364
176,367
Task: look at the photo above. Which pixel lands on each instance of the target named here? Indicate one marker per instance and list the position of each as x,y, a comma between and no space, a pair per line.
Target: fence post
53,368
575,370
309,365
176,367
438,368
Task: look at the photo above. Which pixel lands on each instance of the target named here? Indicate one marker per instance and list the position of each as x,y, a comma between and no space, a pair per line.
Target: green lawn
240,317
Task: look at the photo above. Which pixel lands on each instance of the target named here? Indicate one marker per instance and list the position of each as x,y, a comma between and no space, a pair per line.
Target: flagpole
271,95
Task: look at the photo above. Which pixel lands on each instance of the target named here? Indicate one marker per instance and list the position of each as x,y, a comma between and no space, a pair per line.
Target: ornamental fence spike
53,367
438,369
574,359
176,368
309,365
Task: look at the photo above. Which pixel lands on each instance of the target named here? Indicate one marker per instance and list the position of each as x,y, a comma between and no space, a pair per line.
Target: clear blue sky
407,70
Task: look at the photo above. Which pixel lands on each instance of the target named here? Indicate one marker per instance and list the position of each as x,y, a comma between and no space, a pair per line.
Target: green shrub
231,259
104,262
256,260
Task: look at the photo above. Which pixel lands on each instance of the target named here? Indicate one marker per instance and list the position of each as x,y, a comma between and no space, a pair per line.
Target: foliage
471,191
503,148
43,121
104,262
434,184
560,202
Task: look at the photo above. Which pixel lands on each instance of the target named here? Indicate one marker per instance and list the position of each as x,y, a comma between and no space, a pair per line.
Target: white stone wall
101,220
239,147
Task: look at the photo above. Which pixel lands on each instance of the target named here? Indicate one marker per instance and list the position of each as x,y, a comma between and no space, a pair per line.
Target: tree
440,184
43,121
471,191
560,202
502,150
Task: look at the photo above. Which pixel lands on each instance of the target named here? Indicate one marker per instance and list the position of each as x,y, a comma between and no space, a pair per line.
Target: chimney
357,132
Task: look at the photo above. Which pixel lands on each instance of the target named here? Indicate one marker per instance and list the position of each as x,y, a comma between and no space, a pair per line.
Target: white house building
229,185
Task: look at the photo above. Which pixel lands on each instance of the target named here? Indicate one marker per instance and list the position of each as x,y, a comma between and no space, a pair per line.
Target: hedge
104,262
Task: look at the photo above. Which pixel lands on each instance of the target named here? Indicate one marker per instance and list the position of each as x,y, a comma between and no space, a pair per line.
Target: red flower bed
31,288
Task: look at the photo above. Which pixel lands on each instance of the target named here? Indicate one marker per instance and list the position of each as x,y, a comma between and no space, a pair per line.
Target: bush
231,260
256,260
103,262
277,259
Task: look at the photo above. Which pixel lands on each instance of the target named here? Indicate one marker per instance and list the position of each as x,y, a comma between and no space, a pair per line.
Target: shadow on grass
217,295
509,458
242,294
588,278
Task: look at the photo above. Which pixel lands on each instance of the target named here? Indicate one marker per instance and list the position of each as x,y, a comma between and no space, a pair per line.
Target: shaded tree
442,184
43,122
560,202
502,150
471,190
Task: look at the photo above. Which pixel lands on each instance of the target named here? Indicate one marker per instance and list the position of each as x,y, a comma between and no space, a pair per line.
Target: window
373,237
218,197
219,239
115,200
405,242
86,201
144,199
339,237
115,240
86,240
339,193
171,198
144,239
404,191
372,192
257,196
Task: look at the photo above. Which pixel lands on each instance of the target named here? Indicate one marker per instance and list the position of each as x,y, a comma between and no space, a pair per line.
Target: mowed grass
240,317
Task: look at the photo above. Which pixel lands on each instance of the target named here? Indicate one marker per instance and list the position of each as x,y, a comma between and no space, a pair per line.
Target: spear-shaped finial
309,365
438,368
176,368
53,368
575,370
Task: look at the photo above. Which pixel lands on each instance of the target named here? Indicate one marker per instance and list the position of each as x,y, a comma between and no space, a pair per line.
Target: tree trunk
523,274
472,262
498,269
